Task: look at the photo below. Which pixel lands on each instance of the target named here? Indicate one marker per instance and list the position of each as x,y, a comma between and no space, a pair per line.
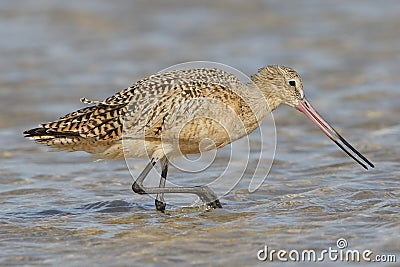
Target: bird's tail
61,140
94,129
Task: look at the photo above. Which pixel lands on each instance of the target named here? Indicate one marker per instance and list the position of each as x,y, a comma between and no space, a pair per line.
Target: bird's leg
160,201
137,185
204,192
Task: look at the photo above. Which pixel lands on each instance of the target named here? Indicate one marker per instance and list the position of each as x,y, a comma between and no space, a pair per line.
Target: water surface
67,209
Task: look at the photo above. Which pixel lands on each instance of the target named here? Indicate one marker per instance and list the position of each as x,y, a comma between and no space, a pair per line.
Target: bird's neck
268,91
257,107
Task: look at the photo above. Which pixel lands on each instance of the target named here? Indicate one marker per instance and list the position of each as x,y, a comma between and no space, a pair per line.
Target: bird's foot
160,205
214,204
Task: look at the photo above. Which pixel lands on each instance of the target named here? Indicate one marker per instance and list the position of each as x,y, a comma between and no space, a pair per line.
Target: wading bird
170,113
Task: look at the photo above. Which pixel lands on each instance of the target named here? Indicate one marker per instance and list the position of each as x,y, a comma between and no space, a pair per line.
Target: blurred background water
66,209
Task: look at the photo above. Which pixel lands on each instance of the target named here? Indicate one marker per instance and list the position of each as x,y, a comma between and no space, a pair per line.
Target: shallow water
67,209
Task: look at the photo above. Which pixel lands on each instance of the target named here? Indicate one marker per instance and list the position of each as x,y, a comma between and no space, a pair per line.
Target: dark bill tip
306,108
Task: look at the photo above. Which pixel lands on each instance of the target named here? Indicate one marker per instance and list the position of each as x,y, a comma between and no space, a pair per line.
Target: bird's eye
292,83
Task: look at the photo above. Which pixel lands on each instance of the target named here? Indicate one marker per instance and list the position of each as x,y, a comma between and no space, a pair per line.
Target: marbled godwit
148,108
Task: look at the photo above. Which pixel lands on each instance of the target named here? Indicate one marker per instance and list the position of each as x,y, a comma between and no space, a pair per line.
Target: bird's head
283,85
280,84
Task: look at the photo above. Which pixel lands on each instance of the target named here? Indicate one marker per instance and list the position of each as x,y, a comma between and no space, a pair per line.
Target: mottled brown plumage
160,104
172,113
